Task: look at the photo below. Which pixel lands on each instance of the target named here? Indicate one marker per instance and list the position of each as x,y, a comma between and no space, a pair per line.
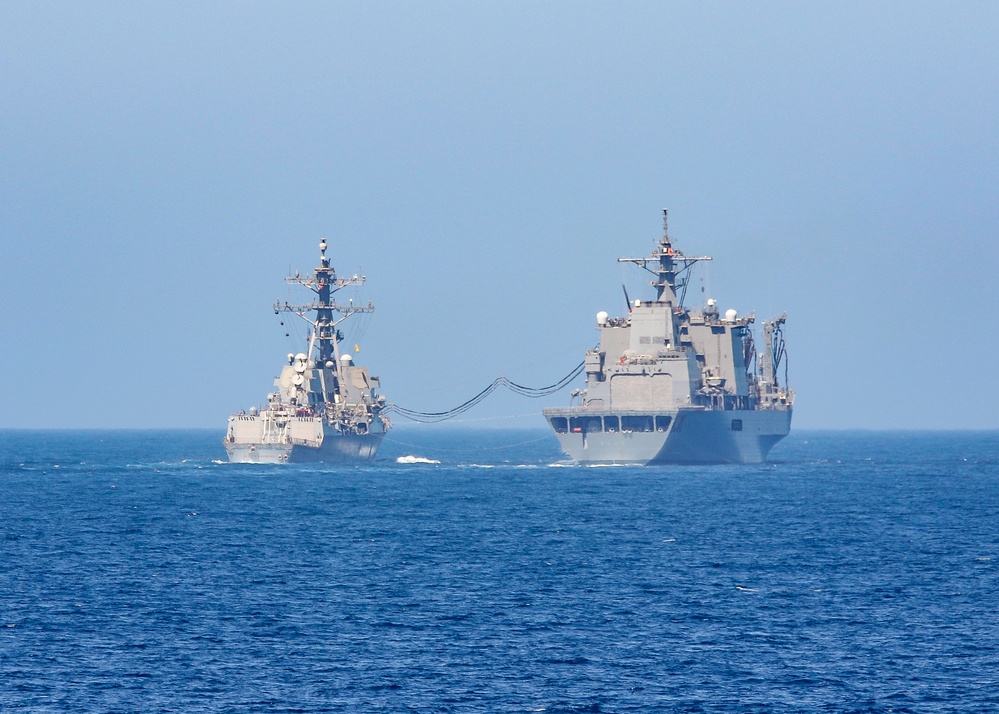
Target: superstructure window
636,423
737,425
611,423
585,424
662,423
560,425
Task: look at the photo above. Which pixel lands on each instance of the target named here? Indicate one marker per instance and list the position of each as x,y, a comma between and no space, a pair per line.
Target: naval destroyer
324,407
668,384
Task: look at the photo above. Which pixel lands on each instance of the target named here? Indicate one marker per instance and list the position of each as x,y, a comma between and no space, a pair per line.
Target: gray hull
335,449
260,439
691,437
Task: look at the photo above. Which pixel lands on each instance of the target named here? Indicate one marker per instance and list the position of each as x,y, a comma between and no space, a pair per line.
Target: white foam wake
415,460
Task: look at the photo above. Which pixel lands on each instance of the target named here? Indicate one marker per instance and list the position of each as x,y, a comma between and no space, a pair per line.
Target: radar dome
301,357
602,317
346,359
731,314
253,411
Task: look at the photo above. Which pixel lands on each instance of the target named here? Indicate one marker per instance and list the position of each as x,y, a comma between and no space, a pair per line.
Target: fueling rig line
530,392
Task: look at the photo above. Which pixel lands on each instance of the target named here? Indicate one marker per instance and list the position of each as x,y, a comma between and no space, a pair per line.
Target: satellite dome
731,314
346,359
602,317
301,357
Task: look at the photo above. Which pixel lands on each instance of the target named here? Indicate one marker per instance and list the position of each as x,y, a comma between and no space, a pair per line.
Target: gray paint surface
324,407
667,384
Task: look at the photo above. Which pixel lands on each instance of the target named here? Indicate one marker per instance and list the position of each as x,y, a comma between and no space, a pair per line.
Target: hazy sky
163,166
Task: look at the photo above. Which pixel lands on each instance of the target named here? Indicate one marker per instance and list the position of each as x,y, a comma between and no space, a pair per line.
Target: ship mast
329,314
669,265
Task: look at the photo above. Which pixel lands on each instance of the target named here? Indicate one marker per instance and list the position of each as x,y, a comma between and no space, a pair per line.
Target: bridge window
662,423
611,423
560,425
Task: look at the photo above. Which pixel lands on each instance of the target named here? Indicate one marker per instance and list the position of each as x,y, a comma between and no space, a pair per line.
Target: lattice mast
325,283
669,265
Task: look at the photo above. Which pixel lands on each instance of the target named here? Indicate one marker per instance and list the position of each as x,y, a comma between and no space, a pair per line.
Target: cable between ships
530,392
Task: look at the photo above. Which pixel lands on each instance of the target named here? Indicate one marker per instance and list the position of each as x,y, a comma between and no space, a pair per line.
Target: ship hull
680,437
251,441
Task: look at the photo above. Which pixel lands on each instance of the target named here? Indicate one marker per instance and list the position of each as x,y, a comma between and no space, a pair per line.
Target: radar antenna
329,314
669,265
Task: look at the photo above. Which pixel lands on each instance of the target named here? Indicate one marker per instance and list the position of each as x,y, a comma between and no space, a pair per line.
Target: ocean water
857,572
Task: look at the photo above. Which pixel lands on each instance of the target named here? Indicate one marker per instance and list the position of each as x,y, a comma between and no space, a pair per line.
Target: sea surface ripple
857,572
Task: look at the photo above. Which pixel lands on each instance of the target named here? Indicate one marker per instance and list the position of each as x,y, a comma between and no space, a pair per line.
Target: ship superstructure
667,384
324,407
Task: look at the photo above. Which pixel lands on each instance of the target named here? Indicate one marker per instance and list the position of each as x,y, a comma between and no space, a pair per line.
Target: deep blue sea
857,572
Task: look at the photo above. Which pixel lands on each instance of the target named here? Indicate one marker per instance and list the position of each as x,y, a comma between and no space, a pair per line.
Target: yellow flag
357,348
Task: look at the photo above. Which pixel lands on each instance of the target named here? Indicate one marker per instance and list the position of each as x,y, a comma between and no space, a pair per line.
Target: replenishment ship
667,384
324,407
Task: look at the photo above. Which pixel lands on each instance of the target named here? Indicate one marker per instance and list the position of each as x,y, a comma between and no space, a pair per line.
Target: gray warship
671,385
325,407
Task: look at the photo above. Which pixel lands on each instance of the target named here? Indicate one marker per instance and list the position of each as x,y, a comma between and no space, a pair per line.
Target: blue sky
163,166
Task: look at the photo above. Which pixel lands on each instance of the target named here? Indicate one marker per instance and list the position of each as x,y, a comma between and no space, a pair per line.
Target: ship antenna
627,299
324,283
669,266
325,325
667,274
